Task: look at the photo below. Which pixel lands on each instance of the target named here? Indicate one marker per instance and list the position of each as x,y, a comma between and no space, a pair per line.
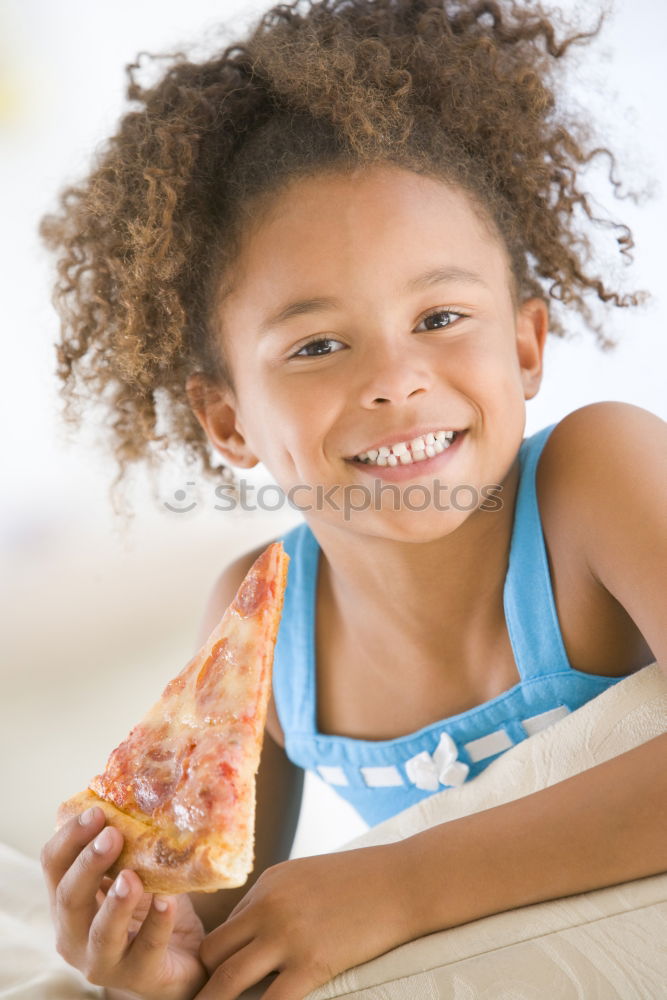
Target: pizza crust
182,863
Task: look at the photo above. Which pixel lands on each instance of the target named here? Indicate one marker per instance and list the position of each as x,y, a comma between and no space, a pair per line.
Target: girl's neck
409,591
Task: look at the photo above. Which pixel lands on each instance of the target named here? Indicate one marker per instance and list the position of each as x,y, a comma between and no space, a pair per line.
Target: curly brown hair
461,90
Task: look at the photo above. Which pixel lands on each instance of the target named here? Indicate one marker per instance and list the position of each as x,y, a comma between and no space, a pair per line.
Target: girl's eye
316,348
319,348
445,317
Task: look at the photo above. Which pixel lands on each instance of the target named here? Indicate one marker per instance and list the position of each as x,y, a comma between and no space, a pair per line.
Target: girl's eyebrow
436,276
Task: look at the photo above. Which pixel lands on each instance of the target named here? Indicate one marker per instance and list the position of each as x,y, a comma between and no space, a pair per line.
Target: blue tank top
382,777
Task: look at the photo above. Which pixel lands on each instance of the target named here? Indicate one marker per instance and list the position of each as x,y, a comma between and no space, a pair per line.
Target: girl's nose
393,379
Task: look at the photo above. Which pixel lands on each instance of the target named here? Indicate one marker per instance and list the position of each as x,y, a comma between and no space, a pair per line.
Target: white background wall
77,585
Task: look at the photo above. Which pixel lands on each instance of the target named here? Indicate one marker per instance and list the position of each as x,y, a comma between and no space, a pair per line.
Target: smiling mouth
409,452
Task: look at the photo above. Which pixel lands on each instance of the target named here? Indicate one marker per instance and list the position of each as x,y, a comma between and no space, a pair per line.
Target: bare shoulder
584,433
599,482
222,594
592,454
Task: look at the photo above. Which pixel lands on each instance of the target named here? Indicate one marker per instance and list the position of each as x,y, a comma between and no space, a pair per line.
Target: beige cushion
611,943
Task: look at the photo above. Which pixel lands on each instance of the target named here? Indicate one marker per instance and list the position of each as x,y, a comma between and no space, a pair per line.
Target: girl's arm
312,918
607,473
603,826
609,463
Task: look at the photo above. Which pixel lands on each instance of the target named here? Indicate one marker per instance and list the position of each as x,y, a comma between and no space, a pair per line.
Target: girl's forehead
380,192
379,220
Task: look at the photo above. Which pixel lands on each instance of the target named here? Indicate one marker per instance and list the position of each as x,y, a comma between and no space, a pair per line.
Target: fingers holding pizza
114,932
74,867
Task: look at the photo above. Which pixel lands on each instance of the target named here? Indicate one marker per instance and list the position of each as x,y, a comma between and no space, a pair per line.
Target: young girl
330,249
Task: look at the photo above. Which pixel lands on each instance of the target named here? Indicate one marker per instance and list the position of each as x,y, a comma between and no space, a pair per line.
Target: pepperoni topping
252,594
209,679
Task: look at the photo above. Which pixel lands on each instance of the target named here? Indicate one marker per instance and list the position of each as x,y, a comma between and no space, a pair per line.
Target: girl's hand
308,920
114,932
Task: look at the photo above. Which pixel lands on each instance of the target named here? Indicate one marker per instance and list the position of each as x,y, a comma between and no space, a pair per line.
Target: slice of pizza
181,787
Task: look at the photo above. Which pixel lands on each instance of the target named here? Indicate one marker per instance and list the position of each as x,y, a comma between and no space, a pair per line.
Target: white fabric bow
428,771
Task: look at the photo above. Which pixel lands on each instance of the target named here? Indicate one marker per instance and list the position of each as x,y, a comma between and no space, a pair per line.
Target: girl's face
369,309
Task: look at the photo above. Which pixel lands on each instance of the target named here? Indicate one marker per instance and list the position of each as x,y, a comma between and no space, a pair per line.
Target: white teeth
405,452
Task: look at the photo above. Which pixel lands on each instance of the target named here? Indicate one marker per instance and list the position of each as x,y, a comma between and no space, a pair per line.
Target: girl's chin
415,526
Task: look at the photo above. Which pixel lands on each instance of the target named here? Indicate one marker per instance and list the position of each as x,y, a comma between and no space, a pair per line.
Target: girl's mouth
403,461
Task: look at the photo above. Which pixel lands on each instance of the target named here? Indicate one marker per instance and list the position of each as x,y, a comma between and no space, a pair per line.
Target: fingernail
88,816
104,841
120,887
160,904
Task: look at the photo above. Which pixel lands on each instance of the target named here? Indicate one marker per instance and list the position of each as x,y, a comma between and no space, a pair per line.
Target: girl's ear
216,410
532,326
